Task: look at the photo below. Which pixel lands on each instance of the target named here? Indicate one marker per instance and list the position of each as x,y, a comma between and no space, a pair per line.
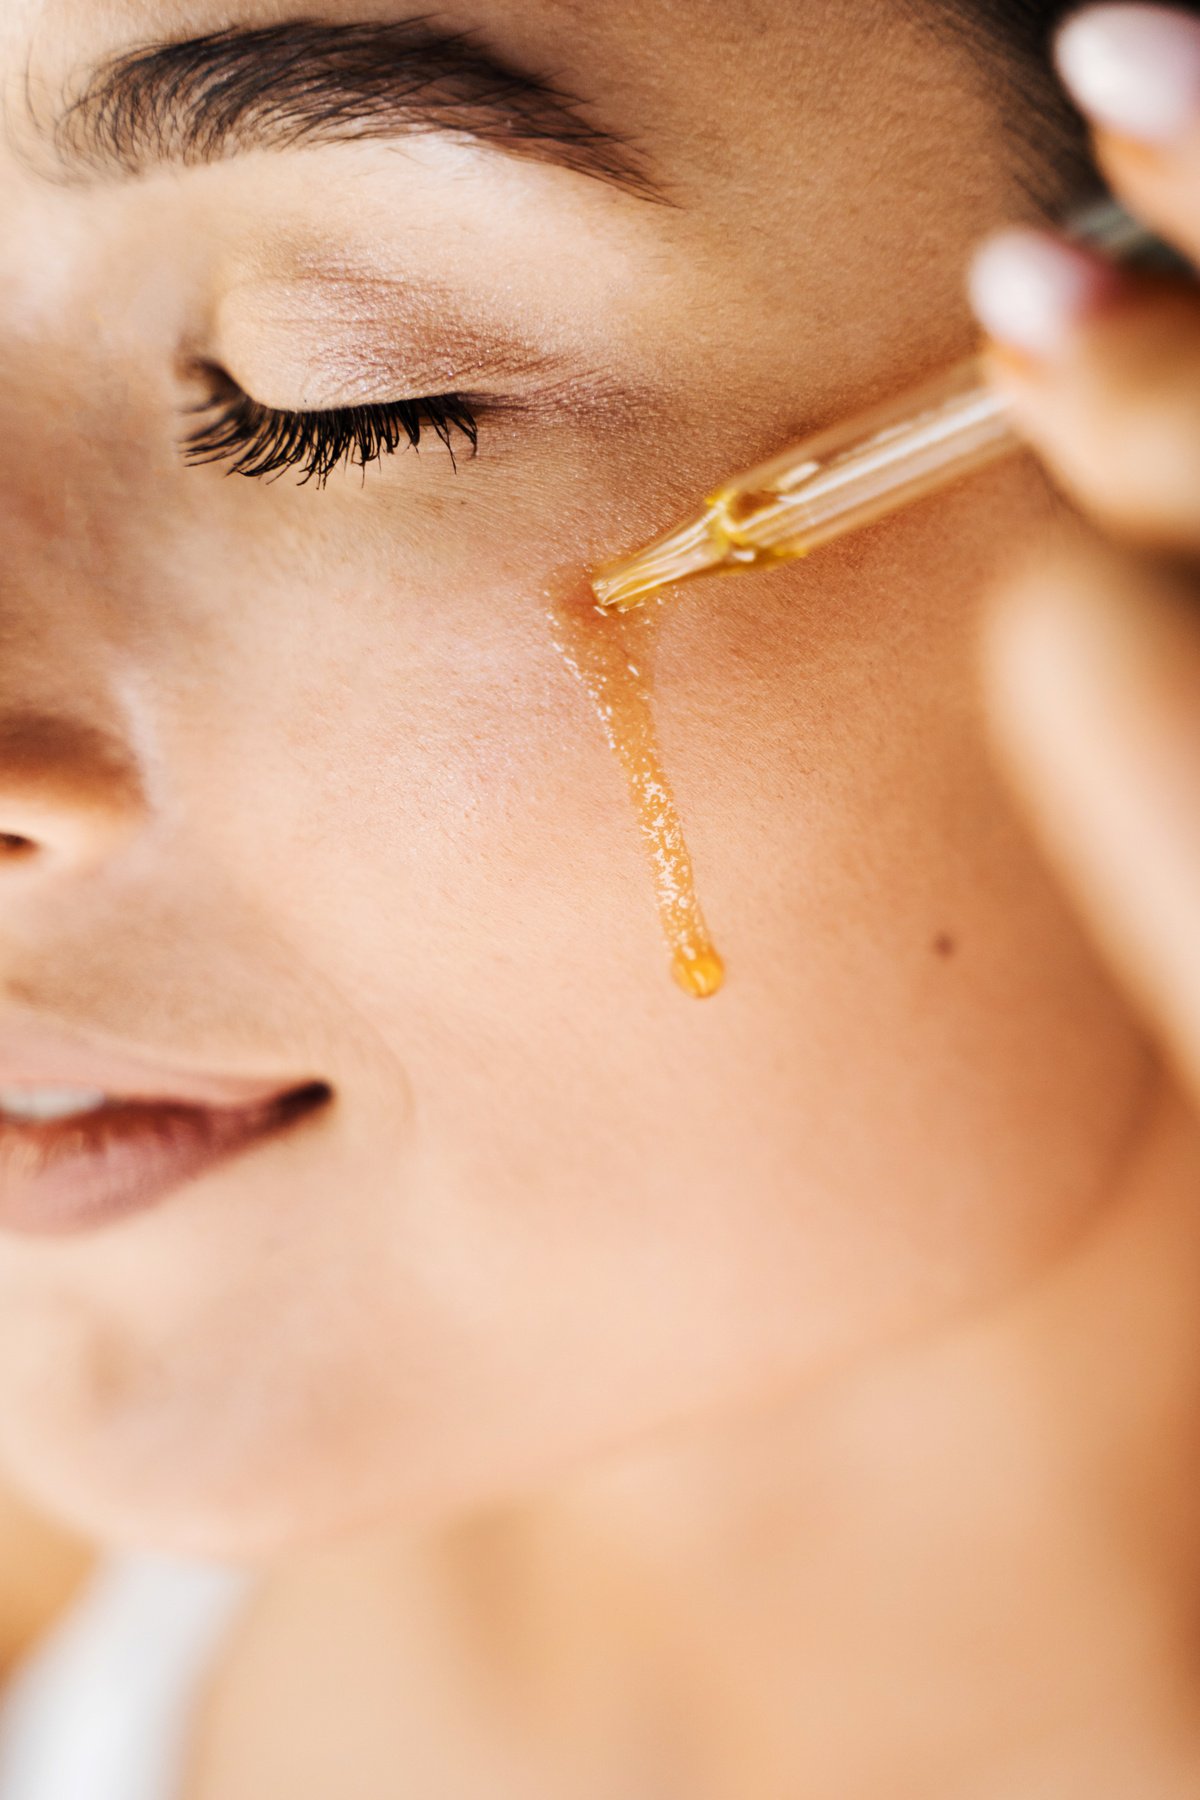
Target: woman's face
321,799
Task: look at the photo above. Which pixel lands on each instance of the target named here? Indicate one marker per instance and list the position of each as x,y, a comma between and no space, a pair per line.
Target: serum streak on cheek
609,655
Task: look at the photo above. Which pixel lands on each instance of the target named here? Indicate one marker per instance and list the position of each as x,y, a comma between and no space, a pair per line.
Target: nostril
70,791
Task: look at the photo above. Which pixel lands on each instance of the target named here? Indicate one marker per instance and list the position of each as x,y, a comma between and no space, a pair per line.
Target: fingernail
1134,69
1029,289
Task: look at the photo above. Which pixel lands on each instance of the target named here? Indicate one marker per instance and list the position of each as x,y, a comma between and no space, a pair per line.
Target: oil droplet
700,973
609,655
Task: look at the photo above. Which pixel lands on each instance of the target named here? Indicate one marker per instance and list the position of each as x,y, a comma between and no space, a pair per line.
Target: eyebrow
288,86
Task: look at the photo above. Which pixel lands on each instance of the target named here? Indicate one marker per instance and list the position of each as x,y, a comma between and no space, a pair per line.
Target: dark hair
1049,139
1025,24
1028,25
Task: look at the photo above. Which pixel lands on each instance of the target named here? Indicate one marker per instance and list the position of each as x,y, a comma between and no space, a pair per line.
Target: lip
74,1175
160,1130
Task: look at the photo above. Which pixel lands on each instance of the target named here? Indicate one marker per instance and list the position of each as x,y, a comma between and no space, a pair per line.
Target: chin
177,1503
242,1471
250,1478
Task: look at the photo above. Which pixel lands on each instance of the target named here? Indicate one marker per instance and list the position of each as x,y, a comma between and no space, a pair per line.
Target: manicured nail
1134,69
1029,289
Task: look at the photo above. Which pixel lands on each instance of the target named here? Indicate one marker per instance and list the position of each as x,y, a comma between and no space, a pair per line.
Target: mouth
75,1159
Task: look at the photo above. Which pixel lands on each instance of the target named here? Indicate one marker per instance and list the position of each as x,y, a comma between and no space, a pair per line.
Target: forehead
55,31
52,50
664,62
721,105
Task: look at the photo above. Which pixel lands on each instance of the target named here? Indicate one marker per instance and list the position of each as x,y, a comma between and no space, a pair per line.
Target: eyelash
263,444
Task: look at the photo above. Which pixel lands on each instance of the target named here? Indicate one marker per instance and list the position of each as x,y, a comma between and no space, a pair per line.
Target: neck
971,1570
983,1557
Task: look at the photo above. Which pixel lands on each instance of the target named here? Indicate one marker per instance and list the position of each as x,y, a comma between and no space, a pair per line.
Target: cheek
419,795
599,1188
445,785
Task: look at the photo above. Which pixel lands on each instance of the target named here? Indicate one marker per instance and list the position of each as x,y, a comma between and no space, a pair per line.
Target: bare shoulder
43,1568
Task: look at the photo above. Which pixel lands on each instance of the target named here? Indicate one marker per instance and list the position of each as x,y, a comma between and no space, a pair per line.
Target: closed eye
262,443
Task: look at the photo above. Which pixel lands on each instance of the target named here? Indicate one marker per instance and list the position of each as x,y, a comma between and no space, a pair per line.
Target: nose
71,550
70,793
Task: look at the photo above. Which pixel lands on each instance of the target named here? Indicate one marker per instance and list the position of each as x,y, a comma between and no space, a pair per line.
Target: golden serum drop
609,656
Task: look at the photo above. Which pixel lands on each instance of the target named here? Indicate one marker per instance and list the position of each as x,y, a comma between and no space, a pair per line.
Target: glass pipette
861,470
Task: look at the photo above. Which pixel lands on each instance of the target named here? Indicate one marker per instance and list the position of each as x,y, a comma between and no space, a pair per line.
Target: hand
1094,658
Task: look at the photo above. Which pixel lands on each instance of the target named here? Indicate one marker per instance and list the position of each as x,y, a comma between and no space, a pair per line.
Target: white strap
101,1711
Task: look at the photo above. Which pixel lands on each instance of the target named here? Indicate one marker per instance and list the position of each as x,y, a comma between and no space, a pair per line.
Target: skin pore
787,1320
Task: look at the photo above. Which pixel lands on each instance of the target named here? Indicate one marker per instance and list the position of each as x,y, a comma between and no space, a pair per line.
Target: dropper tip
693,549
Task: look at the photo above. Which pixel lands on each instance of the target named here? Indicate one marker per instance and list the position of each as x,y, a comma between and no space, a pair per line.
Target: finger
1105,379
1135,72
1093,668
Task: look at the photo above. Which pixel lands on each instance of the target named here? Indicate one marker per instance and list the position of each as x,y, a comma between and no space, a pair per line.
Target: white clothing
101,1710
